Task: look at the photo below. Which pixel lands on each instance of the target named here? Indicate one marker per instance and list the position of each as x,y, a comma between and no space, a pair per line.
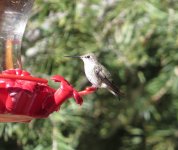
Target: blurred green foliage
137,40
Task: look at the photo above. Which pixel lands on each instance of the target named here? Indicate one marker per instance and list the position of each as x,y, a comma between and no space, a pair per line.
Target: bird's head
87,58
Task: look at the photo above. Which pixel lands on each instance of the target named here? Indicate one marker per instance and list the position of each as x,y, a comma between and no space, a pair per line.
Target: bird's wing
105,76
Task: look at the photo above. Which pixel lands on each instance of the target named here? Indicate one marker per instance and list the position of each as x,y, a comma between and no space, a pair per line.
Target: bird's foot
91,88
88,90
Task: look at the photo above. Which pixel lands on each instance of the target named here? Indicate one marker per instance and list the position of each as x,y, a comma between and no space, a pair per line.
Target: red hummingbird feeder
24,97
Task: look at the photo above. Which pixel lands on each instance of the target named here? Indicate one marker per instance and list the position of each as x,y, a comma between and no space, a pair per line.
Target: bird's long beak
73,56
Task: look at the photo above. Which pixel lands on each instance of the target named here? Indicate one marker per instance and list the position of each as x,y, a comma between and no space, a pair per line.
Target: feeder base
15,118
24,97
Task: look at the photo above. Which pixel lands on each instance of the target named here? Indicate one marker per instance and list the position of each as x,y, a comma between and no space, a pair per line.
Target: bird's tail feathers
116,91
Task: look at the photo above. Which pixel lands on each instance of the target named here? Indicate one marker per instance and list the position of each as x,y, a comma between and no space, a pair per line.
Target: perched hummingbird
97,74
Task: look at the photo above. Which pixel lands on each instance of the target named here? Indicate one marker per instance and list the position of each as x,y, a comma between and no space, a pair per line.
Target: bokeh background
137,40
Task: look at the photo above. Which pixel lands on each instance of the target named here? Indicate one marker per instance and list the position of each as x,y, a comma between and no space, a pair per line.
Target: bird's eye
87,56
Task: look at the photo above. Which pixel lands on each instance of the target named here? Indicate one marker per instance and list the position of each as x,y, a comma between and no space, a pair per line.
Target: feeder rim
28,78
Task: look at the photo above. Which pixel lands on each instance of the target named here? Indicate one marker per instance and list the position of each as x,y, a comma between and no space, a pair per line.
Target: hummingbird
97,74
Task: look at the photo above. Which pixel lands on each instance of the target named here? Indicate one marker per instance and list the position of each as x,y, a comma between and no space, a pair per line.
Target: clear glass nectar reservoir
13,18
